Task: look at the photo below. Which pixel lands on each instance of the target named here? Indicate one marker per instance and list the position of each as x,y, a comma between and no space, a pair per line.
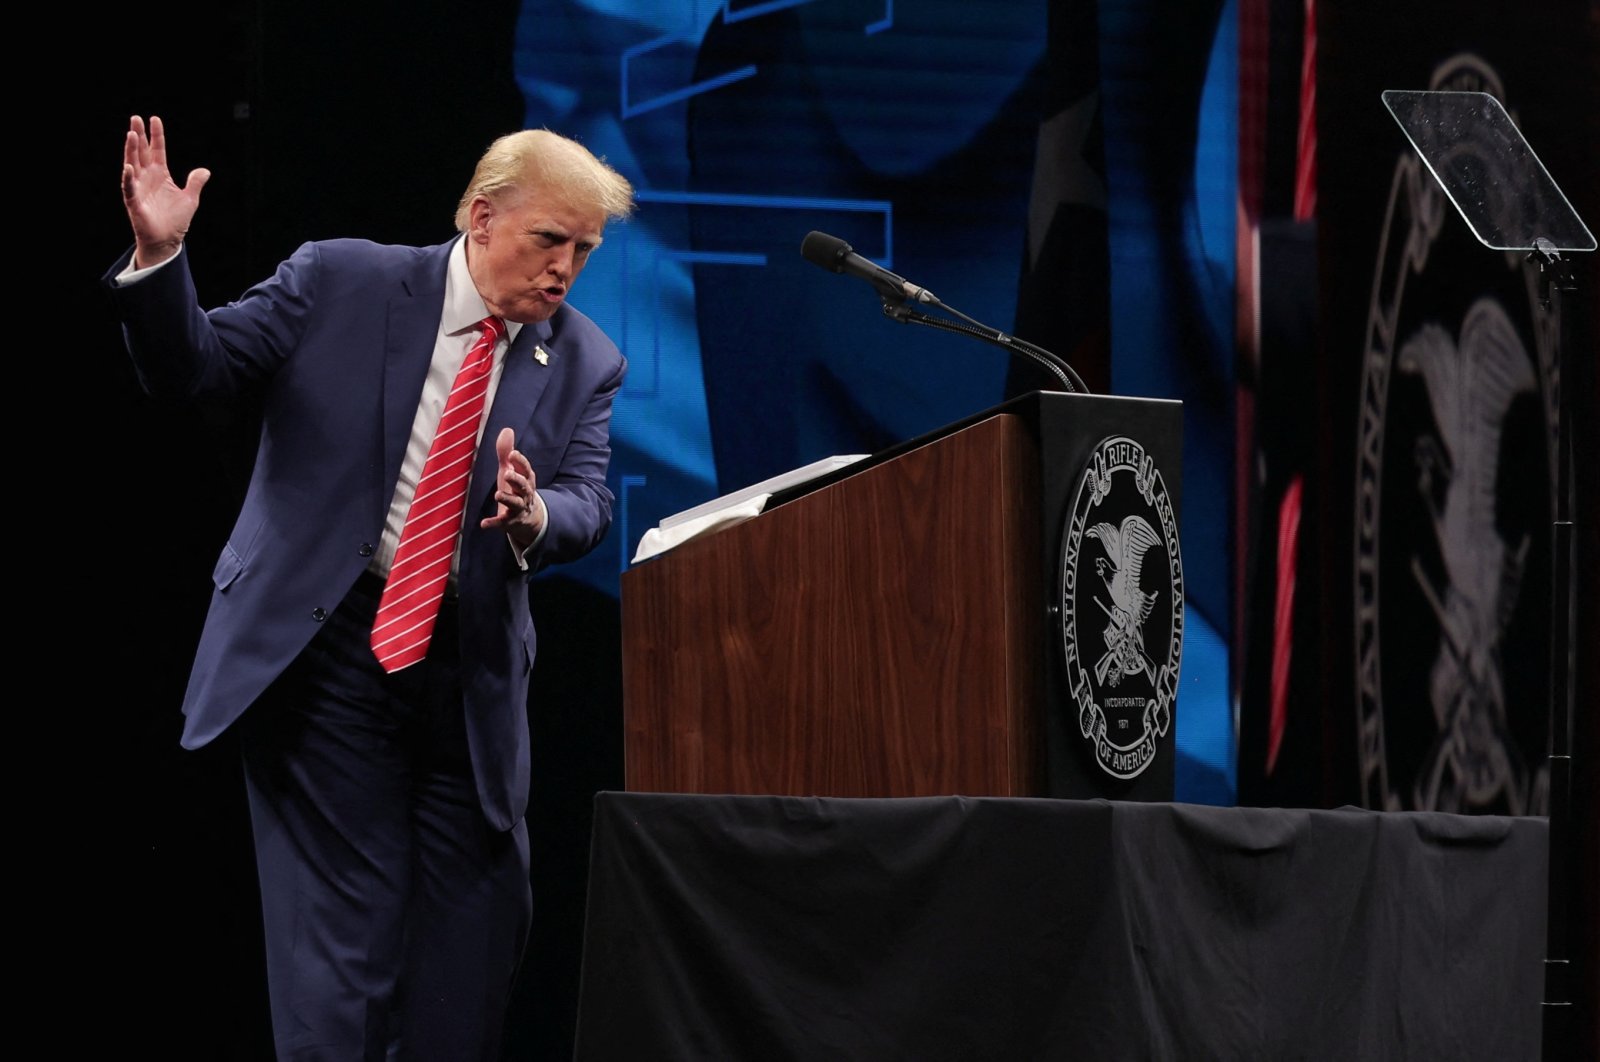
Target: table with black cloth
768,928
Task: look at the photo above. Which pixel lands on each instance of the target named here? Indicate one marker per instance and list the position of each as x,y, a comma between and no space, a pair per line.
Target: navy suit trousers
395,915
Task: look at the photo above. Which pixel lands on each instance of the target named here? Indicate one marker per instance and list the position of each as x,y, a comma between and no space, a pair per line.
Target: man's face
525,253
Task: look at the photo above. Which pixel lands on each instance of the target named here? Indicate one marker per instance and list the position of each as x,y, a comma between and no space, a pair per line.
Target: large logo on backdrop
1122,606
1454,501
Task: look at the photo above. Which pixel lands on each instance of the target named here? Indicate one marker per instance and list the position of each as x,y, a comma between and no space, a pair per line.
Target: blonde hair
537,160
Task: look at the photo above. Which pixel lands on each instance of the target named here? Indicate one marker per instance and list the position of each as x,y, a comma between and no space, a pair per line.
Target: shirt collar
463,306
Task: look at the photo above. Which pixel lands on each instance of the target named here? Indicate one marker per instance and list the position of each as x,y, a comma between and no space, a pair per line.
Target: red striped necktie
410,602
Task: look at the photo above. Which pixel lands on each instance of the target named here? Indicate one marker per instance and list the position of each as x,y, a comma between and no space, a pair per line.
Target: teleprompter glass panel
1480,159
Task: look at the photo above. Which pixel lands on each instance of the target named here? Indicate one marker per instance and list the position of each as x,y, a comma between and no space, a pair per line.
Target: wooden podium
893,629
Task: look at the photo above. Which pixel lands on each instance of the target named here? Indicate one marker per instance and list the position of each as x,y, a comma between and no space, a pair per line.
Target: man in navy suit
387,806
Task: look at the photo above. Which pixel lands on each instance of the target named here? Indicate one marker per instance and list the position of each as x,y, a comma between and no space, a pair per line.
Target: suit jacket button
366,549
319,614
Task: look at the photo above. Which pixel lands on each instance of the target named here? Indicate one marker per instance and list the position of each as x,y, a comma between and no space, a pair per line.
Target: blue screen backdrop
908,130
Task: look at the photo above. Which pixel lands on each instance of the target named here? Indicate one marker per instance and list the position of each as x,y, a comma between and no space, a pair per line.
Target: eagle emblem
1130,606
1124,697
1472,387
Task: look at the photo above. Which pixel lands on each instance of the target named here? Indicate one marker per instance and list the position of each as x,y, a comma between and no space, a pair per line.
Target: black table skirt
771,928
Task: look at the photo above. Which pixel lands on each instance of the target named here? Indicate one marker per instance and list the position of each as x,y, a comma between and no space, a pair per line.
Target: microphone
836,256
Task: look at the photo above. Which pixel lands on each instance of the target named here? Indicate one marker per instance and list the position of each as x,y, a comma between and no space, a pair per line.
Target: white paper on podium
730,509
659,539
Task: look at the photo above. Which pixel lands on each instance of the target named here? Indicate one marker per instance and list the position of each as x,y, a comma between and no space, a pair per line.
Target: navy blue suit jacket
339,341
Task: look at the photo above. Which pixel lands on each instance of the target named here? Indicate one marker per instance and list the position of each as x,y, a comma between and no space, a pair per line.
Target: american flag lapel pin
540,356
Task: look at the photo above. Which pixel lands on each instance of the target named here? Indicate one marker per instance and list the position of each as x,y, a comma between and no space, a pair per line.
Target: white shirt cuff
131,275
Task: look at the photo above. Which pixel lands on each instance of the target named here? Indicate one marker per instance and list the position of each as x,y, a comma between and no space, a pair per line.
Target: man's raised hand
158,209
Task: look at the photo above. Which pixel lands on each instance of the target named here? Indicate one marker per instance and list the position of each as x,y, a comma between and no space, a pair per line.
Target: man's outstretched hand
158,209
519,511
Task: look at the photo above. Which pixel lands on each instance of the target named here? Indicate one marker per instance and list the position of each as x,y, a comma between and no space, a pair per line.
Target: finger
197,180
504,445
158,141
136,148
141,142
519,506
518,500
520,463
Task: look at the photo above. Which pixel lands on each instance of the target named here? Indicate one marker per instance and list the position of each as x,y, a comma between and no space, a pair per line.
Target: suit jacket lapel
413,326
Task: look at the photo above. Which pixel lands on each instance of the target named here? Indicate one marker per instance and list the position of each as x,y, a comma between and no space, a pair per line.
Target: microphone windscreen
824,250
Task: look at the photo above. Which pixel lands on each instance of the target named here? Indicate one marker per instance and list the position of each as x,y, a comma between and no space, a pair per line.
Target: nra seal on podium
1121,611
